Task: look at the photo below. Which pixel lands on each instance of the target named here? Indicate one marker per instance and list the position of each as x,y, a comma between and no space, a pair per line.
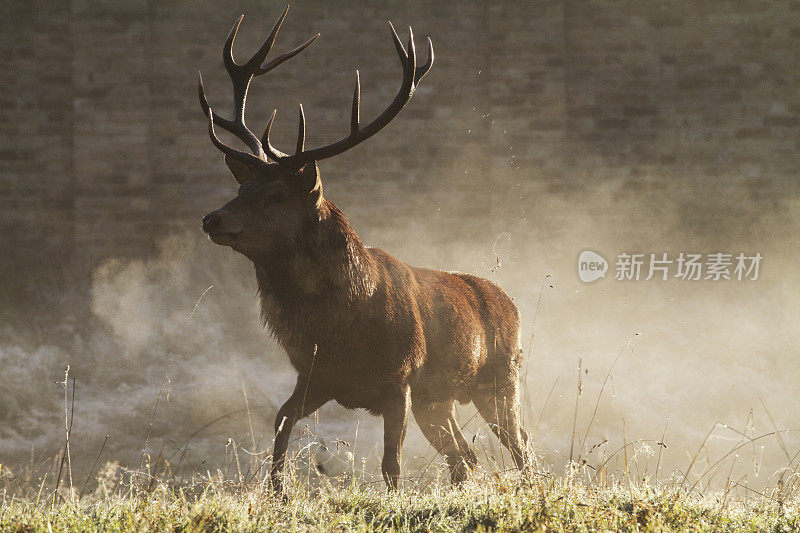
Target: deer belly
369,400
355,394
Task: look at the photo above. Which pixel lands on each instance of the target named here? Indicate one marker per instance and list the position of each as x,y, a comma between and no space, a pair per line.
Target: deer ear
241,171
308,178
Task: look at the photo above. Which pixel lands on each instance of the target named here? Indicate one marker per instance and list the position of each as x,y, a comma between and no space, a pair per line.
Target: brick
99,98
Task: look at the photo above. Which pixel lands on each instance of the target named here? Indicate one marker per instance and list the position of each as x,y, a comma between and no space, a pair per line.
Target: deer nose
210,221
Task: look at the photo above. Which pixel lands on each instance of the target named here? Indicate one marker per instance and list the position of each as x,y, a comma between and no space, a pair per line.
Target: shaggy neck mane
324,268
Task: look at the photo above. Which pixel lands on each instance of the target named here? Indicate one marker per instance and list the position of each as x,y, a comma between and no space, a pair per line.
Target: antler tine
398,44
411,75
283,57
201,94
301,132
254,63
411,62
425,67
355,112
227,49
273,153
227,150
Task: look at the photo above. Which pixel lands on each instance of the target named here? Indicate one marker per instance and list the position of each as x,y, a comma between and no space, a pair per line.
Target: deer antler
241,75
412,75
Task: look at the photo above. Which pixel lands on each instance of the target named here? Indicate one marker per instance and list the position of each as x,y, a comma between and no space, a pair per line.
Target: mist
691,353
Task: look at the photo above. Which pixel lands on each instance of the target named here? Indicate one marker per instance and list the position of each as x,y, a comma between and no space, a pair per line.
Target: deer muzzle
219,230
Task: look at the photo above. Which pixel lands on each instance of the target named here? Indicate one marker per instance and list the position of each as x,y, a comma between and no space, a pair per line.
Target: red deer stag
359,326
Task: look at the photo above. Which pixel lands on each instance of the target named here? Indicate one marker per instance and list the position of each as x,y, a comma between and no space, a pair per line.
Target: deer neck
326,267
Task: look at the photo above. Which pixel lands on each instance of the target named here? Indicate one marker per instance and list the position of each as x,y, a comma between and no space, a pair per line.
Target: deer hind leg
499,407
438,424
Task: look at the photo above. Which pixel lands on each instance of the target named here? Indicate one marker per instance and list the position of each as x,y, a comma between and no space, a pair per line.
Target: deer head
279,193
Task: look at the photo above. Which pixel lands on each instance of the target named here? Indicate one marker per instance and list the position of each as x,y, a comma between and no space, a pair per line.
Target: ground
488,502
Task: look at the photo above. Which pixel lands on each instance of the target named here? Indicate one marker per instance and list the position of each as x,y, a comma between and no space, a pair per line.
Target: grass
510,501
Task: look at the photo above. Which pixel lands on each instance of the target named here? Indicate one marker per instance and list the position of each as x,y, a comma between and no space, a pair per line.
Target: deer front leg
395,420
300,404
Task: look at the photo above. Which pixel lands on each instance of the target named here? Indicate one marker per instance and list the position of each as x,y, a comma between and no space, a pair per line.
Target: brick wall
103,146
